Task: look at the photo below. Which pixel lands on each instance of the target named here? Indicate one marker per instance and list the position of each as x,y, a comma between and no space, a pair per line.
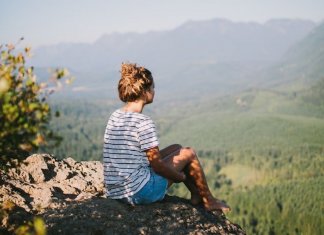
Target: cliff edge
69,196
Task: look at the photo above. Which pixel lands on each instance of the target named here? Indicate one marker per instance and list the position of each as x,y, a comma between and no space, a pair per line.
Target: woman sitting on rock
135,169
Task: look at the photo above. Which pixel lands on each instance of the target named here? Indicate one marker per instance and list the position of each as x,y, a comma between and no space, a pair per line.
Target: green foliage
24,111
35,227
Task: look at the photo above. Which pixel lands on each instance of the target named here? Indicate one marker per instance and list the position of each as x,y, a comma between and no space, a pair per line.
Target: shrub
24,111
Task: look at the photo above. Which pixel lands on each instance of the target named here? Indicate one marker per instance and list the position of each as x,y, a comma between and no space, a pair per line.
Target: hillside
301,65
254,119
263,150
306,58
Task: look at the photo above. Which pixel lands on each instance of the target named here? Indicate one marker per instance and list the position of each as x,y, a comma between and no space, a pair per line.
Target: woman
135,169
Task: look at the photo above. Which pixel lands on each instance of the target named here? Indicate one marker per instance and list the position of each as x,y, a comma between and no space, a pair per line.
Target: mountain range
197,57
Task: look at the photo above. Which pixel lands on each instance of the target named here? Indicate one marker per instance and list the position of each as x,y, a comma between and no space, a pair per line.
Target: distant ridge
218,56
302,64
195,41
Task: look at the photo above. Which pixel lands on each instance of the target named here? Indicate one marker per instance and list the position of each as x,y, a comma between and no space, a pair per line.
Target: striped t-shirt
126,167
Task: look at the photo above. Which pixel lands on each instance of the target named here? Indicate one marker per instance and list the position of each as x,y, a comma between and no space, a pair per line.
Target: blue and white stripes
126,168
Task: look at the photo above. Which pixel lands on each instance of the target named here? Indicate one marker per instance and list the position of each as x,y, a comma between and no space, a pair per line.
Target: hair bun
131,71
134,81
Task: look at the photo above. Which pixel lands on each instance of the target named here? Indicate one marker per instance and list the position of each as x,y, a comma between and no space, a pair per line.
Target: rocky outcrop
69,196
41,182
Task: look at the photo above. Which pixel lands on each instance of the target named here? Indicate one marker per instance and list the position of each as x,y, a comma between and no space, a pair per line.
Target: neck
136,106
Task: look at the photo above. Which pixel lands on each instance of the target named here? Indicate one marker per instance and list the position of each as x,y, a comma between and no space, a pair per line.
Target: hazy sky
44,22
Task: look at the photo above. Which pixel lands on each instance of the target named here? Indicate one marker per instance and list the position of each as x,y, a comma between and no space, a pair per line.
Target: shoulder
144,117
139,117
131,116
145,120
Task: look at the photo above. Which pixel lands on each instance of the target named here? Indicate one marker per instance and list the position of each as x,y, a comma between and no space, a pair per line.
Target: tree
24,111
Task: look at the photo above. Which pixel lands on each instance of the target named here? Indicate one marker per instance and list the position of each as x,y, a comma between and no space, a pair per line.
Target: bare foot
215,204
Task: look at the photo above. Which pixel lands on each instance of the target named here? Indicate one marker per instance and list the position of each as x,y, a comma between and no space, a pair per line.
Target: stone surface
69,196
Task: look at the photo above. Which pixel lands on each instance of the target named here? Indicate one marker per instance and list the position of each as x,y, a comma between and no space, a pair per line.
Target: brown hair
134,82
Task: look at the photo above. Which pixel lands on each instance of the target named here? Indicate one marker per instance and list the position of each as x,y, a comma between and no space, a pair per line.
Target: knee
190,153
176,146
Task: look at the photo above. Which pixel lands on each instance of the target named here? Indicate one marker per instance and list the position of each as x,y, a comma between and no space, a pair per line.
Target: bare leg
168,155
185,159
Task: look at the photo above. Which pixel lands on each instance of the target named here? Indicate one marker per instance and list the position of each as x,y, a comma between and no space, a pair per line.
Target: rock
69,196
7,194
105,216
70,161
35,165
41,177
42,197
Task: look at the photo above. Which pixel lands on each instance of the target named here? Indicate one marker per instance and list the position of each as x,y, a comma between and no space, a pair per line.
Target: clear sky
44,22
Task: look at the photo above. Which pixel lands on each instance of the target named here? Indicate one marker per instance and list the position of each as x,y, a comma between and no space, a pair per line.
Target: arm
161,168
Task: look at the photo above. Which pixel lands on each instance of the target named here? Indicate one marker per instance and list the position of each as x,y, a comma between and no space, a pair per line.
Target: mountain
219,55
301,65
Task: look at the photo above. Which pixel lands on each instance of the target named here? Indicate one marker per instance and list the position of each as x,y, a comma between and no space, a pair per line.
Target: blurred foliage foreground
24,111
35,227
25,115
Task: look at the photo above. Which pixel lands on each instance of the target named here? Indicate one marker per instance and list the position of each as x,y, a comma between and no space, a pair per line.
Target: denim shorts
154,190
